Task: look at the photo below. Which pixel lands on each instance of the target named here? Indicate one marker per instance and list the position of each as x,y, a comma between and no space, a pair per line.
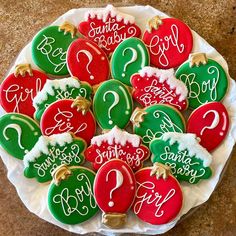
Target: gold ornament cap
60,173
22,69
114,220
82,104
160,170
137,116
67,27
196,59
153,23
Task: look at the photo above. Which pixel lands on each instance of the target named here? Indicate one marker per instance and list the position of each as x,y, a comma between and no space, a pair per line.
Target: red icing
108,34
133,156
60,117
122,196
83,58
157,201
17,93
149,91
212,136
171,45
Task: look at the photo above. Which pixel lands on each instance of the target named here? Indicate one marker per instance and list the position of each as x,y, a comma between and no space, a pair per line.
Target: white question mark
119,182
90,58
116,101
214,123
133,59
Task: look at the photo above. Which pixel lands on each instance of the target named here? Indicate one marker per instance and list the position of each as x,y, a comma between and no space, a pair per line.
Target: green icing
128,58
159,119
112,105
49,48
18,134
41,167
72,202
205,83
183,166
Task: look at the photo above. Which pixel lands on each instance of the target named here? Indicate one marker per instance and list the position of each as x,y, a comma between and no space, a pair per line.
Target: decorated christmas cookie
114,191
188,160
210,122
87,62
128,58
112,105
169,42
108,27
70,195
18,134
153,121
49,48
159,197
119,144
18,89
205,79
58,89
69,116
152,86
51,152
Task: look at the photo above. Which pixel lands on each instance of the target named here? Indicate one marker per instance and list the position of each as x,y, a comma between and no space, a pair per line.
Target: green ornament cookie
112,105
49,48
153,121
205,79
58,89
70,195
18,134
50,152
188,160
129,57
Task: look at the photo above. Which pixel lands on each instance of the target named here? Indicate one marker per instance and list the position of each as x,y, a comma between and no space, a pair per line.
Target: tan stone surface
214,20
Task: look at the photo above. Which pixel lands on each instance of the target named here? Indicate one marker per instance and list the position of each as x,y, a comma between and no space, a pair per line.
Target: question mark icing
133,59
116,101
90,58
214,123
119,182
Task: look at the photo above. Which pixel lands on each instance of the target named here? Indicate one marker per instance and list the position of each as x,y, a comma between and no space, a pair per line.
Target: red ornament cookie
154,86
83,58
119,144
210,122
69,116
158,198
108,27
169,42
18,89
114,191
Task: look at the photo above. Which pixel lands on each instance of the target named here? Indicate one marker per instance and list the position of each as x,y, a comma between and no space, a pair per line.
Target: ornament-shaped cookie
59,89
117,143
18,134
18,90
108,27
154,86
205,79
188,160
70,195
50,152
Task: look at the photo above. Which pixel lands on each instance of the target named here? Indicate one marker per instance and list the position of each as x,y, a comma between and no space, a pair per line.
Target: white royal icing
118,136
189,142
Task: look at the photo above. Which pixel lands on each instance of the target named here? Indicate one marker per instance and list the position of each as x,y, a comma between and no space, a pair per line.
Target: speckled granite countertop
214,20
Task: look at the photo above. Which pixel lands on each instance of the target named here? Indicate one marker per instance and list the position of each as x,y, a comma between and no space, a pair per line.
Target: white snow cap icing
118,136
50,85
41,147
189,141
168,77
102,14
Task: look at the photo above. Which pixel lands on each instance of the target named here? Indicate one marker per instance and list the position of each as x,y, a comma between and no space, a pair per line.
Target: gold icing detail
82,104
60,173
160,170
137,116
153,23
114,220
21,69
195,59
68,27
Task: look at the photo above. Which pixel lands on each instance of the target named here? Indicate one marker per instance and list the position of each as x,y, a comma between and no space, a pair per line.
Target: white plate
34,195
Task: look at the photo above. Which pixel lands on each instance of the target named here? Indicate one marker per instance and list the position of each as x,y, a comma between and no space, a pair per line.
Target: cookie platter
141,212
